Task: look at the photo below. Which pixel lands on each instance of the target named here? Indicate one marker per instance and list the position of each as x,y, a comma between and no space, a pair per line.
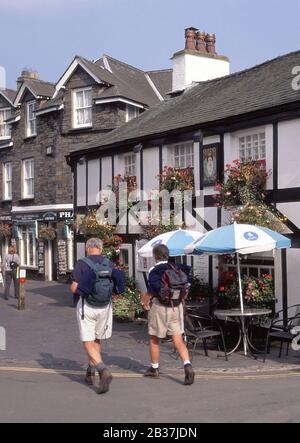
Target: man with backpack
10,265
95,279
168,288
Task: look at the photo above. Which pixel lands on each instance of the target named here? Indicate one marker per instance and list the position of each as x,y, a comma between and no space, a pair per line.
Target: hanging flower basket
47,233
5,231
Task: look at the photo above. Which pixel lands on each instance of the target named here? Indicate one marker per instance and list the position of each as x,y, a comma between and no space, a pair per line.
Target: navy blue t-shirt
85,276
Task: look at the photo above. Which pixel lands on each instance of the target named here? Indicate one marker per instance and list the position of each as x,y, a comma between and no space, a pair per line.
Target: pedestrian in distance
10,265
94,280
168,288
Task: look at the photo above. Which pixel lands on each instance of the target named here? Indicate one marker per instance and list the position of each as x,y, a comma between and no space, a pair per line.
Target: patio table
243,320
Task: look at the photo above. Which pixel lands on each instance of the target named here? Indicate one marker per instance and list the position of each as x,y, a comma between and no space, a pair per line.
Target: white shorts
97,323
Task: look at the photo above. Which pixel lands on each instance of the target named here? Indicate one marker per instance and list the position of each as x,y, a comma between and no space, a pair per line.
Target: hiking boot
105,381
152,373
89,376
189,375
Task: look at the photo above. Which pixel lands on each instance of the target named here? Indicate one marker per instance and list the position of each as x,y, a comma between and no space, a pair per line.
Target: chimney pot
200,42
27,74
211,43
190,38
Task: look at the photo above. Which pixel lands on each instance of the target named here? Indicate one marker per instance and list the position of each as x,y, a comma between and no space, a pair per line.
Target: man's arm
74,287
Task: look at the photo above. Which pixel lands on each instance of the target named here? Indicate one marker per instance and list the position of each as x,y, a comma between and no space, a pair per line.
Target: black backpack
103,287
174,286
13,265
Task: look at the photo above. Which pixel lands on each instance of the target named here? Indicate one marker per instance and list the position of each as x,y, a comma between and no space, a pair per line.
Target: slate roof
9,94
162,80
262,87
123,81
40,87
129,82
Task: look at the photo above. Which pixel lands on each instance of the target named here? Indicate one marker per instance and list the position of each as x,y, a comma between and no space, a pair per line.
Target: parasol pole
242,304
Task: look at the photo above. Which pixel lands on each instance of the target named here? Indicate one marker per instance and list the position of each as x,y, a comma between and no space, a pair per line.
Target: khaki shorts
163,321
97,323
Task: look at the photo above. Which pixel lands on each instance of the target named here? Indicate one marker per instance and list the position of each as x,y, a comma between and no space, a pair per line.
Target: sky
45,35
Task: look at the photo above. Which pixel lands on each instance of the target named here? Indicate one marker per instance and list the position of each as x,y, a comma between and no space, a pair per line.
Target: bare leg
180,347
93,350
154,349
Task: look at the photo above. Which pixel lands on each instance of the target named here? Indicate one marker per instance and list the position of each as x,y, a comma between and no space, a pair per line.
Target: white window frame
31,131
254,142
7,130
29,178
130,165
181,153
129,249
76,108
130,116
7,181
25,252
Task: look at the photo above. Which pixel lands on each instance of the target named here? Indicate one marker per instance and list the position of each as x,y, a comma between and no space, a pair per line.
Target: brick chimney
27,74
199,61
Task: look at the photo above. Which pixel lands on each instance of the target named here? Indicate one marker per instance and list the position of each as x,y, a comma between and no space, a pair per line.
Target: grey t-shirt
8,258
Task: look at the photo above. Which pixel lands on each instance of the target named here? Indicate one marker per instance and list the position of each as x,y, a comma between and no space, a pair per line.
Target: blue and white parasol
176,241
239,239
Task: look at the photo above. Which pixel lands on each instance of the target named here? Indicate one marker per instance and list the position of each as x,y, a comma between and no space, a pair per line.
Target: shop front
44,240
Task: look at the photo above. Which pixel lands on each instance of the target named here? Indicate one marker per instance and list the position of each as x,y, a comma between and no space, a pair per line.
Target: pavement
44,364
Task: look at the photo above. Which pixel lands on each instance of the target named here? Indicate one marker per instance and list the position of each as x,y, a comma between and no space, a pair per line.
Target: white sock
187,362
155,365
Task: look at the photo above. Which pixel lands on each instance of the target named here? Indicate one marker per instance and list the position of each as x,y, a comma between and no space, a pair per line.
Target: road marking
126,375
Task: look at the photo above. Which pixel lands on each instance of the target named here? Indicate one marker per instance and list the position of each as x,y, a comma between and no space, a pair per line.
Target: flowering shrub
257,292
243,193
176,179
5,230
46,233
107,233
128,305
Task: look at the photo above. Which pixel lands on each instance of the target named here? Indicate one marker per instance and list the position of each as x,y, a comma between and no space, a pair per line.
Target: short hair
94,243
161,253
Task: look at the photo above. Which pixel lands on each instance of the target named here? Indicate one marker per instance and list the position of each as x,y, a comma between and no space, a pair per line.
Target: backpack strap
97,267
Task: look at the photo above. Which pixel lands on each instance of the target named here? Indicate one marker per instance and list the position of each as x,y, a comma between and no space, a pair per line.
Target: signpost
22,281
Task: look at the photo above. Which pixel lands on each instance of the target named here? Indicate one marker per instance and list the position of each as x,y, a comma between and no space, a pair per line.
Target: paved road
42,397
44,339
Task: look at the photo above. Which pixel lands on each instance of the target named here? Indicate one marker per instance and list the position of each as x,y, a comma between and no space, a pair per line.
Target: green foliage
257,292
128,306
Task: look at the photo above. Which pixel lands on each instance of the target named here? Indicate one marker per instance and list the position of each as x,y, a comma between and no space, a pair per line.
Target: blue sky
46,34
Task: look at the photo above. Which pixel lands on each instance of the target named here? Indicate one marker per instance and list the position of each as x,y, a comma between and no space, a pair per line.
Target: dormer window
82,108
131,112
5,113
31,119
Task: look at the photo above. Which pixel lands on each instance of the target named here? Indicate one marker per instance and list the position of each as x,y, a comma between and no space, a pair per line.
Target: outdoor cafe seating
280,329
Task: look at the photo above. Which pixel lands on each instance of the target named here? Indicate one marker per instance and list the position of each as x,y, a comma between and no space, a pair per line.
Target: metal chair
280,330
201,328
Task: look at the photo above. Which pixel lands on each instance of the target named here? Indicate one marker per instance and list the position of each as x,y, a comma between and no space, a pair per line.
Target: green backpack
103,287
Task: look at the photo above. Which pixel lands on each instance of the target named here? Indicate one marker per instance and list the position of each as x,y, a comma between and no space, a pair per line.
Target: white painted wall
189,68
81,184
291,211
289,154
293,277
151,169
106,172
93,181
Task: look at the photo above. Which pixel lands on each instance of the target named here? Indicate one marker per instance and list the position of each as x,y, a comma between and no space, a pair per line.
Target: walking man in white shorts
95,279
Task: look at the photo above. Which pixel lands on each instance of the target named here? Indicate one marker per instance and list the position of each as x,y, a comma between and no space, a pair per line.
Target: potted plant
127,307
46,233
258,292
5,231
